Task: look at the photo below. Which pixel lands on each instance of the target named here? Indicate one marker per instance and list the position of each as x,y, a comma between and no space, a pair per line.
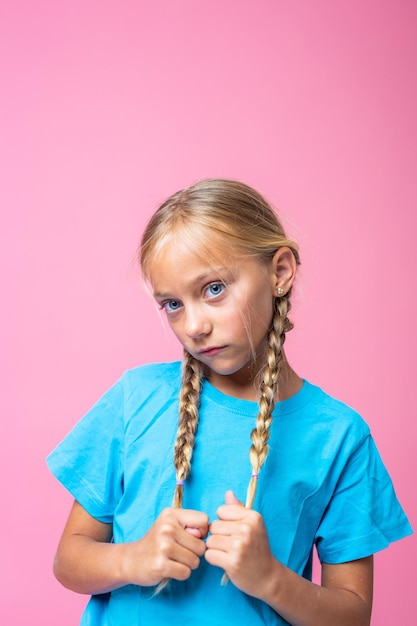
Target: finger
180,564
195,532
186,557
221,527
171,524
197,521
189,538
219,558
180,548
219,542
177,571
232,512
188,518
230,498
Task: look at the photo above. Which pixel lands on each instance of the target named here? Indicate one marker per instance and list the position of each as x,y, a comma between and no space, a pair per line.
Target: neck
289,382
244,386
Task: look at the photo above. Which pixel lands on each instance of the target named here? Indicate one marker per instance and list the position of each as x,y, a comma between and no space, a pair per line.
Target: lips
211,351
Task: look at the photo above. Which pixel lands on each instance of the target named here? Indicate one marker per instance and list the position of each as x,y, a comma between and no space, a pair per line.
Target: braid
243,220
268,392
187,423
192,373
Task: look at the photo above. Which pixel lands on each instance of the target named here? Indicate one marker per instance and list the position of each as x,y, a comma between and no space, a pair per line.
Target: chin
245,370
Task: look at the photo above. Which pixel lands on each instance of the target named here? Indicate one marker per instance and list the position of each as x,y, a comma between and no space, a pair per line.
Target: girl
153,540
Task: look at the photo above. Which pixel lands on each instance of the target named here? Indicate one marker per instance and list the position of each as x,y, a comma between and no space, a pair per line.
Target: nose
197,322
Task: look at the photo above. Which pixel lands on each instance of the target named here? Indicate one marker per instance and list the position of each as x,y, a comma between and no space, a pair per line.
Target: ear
284,269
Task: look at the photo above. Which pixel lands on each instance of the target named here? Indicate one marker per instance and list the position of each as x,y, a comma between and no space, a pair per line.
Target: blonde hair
245,220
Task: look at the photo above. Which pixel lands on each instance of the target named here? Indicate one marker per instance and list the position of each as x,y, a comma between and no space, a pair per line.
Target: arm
343,599
87,562
239,544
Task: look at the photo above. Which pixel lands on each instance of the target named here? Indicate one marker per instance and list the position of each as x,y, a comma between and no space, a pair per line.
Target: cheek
232,319
260,318
176,330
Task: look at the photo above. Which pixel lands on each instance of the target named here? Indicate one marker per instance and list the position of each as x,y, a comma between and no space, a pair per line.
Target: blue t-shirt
323,484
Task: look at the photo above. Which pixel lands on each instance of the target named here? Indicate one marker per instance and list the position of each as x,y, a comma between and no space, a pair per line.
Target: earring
280,291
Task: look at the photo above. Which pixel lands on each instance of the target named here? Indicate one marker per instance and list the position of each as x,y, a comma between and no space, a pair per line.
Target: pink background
109,106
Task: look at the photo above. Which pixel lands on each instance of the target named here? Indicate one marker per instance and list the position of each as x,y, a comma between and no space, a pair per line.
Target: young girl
200,490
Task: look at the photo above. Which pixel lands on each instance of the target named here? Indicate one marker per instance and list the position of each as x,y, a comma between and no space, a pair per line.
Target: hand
170,549
239,544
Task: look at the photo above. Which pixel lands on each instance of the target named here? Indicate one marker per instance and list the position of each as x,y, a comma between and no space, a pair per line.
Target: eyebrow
201,278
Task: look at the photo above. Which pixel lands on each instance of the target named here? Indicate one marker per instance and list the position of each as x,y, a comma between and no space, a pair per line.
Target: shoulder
150,385
332,415
152,376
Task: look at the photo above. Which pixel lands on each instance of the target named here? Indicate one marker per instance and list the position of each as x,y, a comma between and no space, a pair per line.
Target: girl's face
219,305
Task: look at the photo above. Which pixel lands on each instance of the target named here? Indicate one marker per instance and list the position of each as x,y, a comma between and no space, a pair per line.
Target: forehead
201,243
182,258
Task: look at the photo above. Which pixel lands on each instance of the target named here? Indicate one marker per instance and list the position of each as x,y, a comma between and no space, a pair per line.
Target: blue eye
214,289
171,306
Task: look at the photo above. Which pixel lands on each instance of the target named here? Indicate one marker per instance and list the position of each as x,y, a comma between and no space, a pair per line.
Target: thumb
230,498
195,532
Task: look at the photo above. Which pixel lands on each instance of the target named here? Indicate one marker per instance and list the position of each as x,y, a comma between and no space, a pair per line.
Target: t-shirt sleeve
89,461
363,515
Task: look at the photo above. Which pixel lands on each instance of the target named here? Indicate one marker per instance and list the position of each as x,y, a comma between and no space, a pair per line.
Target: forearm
87,562
238,544
85,565
303,603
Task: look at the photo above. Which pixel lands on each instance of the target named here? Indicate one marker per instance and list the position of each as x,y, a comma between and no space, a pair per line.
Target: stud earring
280,291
